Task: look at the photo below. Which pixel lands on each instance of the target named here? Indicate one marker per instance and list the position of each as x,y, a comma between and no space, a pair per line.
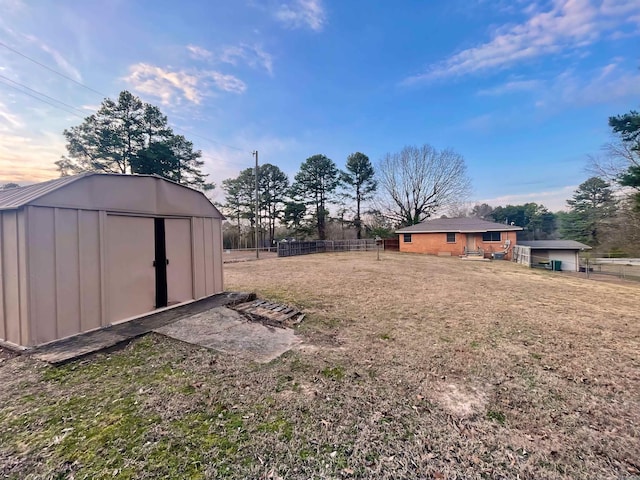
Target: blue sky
522,90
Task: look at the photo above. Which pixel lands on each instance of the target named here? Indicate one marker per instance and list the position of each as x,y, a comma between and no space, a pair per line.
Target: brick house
459,236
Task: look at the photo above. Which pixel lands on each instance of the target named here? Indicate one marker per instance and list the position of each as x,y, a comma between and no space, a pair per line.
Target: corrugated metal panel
10,247
555,244
18,197
217,257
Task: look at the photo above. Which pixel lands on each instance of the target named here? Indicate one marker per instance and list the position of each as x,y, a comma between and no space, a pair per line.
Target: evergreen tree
359,175
592,205
537,222
129,136
315,184
273,186
294,215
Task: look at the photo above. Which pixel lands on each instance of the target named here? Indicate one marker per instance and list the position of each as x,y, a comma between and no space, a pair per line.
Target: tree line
406,187
302,206
129,136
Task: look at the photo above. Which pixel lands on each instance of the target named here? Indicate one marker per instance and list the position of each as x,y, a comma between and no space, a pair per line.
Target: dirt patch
462,401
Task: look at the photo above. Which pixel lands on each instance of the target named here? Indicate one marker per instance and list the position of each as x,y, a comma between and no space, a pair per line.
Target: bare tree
418,181
458,209
482,210
616,159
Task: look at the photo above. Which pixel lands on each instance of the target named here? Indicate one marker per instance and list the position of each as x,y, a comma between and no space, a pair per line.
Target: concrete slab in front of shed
227,331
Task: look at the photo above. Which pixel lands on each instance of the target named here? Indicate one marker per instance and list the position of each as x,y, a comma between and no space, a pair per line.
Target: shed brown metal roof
113,192
13,198
458,225
554,245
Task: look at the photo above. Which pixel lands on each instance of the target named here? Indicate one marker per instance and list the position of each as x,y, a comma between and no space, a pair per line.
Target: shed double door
149,264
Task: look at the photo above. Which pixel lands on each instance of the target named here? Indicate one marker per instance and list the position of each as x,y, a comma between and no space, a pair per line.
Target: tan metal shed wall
68,271
65,267
218,285
207,256
14,308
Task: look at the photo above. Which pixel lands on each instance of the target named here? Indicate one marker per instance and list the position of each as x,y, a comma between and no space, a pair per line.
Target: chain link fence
625,268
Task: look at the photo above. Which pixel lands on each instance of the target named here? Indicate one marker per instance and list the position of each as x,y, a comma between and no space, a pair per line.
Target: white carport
86,251
541,253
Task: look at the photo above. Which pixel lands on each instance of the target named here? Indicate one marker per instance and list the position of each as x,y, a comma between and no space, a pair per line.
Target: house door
471,242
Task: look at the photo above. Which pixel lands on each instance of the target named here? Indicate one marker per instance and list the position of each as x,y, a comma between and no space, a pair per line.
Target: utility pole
257,215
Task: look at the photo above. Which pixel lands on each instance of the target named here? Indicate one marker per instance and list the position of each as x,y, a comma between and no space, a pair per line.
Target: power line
105,95
42,100
4,80
40,93
228,162
52,70
210,140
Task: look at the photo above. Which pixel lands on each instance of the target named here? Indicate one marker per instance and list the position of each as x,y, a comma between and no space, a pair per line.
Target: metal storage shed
540,252
86,251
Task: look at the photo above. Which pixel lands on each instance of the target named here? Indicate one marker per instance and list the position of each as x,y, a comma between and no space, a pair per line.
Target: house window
491,237
451,237
407,238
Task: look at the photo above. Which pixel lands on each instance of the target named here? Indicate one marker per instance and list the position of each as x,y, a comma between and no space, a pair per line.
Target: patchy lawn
413,367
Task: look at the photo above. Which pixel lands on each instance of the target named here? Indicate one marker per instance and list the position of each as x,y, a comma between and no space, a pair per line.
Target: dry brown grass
490,368
412,367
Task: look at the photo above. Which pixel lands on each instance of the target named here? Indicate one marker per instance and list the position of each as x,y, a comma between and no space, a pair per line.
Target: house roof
555,245
458,225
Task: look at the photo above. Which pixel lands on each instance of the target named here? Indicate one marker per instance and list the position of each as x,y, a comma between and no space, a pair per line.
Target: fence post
587,268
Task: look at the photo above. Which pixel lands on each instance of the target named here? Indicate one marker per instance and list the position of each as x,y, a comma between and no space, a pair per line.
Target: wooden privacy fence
391,244
289,249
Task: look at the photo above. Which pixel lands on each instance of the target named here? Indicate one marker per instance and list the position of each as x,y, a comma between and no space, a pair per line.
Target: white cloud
228,83
29,158
554,200
252,55
90,108
172,86
511,87
482,123
58,58
603,85
11,120
221,162
198,53
568,24
302,13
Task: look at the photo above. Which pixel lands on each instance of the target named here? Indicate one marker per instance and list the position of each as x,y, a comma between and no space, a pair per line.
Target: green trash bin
556,265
